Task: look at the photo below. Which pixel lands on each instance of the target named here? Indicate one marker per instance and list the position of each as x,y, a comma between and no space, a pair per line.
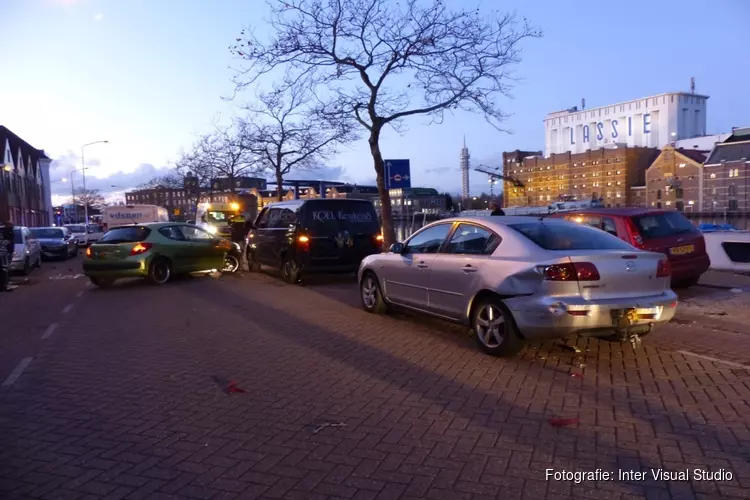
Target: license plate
683,250
102,255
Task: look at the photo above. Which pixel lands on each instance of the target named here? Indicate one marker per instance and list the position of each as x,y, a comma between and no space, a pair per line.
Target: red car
663,231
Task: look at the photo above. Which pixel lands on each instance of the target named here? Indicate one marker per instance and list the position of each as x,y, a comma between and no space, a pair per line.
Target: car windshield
330,217
129,234
662,225
47,232
76,229
219,216
569,236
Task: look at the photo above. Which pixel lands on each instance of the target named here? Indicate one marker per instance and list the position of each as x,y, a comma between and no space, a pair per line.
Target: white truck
123,215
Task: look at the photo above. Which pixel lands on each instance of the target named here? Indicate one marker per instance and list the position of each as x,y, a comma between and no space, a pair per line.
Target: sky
150,76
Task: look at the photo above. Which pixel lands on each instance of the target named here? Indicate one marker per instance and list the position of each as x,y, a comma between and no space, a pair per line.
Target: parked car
155,251
314,236
79,233
27,252
664,231
515,279
56,242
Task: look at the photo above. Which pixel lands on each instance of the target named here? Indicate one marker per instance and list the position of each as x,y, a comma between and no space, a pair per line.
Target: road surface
245,387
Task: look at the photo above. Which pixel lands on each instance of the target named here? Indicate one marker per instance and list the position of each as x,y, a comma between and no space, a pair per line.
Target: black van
314,236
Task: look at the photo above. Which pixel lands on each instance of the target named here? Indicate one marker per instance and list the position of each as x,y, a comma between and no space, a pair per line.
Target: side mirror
397,248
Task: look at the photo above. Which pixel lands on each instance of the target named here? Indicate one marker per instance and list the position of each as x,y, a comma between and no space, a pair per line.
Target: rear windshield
569,236
47,233
129,234
330,217
76,229
662,225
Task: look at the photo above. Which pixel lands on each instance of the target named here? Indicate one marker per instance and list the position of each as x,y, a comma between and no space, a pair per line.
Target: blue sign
613,131
398,174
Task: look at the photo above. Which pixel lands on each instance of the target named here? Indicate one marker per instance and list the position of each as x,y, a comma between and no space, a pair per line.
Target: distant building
25,196
673,181
606,174
408,201
241,182
352,191
649,122
726,174
176,200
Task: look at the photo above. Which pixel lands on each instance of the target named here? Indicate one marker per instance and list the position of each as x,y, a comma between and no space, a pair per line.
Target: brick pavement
130,401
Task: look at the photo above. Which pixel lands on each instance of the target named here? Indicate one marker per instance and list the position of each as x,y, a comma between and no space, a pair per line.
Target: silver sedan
513,279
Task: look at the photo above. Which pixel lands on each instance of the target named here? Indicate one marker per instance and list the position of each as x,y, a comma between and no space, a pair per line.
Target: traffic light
177,211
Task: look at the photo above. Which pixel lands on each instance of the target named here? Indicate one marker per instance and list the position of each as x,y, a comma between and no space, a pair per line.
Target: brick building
726,175
25,196
607,174
175,200
673,181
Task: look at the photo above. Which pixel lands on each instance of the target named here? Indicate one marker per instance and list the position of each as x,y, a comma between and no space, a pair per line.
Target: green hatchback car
153,251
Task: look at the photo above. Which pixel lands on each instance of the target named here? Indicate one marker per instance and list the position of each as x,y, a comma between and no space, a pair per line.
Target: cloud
65,3
67,166
98,17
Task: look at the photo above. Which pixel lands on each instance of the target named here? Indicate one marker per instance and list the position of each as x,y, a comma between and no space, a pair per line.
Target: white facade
648,122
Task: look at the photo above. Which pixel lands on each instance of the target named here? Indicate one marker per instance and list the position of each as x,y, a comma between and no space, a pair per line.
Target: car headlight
211,229
17,255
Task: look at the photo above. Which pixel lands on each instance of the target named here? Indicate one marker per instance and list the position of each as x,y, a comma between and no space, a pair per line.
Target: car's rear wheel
372,297
494,329
102,282
291,270
159,272
231,264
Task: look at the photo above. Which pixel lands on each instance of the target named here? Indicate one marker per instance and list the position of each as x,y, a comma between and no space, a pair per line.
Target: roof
729,151
739,135
694,154
17,143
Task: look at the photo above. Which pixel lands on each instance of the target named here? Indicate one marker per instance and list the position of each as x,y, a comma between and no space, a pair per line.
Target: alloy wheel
490,325
369,292
161,272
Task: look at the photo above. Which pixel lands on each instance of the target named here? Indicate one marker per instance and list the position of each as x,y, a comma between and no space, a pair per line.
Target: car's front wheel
252,264
372,297
494,329
159,272
291,270
26,267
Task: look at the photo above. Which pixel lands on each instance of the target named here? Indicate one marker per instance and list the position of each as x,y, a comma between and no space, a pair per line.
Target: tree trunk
279,187
389,235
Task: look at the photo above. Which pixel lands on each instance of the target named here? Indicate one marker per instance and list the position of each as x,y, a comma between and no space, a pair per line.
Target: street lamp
83,169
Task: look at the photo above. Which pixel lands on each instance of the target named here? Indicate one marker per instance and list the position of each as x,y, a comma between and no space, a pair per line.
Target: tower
465,171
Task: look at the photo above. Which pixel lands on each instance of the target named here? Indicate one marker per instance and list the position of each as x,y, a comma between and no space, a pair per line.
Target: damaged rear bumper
548,317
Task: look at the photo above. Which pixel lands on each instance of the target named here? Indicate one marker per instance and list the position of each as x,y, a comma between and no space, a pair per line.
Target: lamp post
83,170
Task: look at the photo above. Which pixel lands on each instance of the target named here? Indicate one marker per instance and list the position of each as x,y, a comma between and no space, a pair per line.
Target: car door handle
421,265
469,269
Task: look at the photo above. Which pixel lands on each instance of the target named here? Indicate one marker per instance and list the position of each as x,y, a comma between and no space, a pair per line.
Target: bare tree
381,61
224,153
286,131
91,197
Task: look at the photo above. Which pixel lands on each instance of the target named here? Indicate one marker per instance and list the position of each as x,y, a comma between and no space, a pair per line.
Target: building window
713,176
732,190
732,204
658,194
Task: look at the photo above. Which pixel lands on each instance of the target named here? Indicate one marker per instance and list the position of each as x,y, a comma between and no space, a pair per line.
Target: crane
495,175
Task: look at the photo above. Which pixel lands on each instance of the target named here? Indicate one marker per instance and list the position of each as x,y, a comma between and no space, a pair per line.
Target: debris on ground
233,388
562,422
324,425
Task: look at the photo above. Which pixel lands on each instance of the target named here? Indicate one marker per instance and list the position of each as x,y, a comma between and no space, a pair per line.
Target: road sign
398,174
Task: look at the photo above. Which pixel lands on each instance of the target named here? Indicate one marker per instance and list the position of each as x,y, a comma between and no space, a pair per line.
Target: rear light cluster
303,242
88,252
634,235
577,271
379,240
140,248
663,269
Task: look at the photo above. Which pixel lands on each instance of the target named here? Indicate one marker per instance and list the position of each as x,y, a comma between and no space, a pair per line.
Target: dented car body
526,277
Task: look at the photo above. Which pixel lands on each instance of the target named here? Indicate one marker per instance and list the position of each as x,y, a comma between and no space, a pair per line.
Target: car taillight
88,252
577,271
303,242
140,248
379,240
663,269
